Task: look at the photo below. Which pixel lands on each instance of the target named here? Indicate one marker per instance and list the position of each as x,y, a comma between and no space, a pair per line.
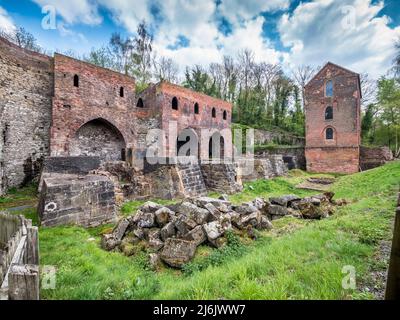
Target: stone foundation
333,160
221,177
294,157
372,157
82,200
26,87
262,168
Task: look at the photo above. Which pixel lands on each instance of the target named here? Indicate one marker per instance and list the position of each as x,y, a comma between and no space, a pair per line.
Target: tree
197,79
142,54
368,90
389,101
367,122
301,76
102,57
22,38
396,61
165,69
122,50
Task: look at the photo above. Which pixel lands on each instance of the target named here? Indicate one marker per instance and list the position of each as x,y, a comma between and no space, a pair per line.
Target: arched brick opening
98,137
187,143
216,146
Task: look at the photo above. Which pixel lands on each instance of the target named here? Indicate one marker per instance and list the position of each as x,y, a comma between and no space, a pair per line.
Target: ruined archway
187,143
100,138
216,146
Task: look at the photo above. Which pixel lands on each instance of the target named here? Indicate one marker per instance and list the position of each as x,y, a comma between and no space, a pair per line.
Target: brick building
60,107
332,110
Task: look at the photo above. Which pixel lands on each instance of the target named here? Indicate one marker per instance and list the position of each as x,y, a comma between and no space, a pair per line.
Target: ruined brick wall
93,118
372,157
186,117
296,153
26,88
279,137
340,154
150,118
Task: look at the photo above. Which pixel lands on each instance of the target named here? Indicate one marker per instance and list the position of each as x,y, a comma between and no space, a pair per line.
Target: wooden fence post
32,246
393,281
23,282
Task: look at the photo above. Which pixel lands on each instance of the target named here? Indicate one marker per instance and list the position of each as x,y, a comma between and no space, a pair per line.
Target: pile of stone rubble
172,233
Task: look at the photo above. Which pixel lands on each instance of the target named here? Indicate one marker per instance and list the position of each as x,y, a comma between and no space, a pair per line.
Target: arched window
196,108
216,146
121,92
213,113
329,88
140,103
174,103
329,134
224,115
76,81
329,113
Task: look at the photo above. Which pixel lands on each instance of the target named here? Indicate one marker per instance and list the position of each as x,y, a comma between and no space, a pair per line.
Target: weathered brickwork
26,88
64,107
92,103
372,157
333,136
194,111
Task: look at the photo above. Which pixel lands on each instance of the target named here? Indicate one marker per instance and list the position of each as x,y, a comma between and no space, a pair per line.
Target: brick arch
98,137
192,137
106,120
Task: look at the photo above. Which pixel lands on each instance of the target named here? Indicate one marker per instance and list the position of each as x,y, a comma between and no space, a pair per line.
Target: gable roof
336,66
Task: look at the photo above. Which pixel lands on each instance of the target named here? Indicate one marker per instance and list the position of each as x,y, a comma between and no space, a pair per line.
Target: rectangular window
329,88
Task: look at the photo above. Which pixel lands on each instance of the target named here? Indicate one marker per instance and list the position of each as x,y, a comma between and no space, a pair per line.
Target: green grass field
298,259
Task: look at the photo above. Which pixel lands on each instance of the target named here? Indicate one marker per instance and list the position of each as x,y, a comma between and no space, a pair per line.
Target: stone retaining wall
221,177
293,156
26,87
262,168
372,157
83,200
264,137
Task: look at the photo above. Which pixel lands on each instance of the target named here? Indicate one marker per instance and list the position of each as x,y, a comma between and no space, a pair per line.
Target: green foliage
22,38
270,188
131,207
233,249
381,122
298,259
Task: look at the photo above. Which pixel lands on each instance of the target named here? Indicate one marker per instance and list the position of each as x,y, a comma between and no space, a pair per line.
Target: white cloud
236,10
190,18
75,11
249,36
6,23
323,31
314,32
128,13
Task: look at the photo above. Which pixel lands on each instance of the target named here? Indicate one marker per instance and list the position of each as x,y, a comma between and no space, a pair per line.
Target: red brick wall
342,153
185,117
98,96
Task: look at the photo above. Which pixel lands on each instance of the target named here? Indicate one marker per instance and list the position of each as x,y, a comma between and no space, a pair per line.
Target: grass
275,187
298,259
130,207
19,197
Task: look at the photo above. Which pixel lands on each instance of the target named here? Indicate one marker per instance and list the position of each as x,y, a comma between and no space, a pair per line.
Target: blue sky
358,34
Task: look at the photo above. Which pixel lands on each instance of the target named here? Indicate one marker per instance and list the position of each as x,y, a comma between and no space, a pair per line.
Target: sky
357,34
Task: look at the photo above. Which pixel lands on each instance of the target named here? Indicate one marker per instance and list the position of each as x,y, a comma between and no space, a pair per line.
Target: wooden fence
393,281
19,258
